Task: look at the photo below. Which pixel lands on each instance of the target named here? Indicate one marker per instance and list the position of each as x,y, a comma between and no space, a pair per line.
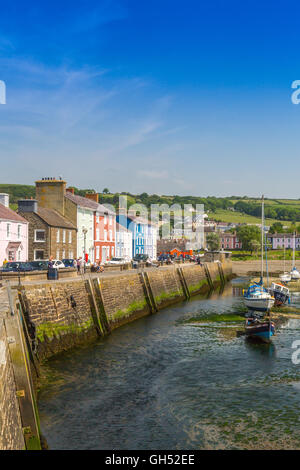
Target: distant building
144,234
49,233
13,233
95,224
230,241
283,240
123,242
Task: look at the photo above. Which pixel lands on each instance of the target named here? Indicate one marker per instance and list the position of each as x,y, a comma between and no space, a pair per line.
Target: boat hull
259,305
262,331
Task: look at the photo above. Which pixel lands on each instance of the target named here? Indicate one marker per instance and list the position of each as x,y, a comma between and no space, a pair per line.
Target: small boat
261,329
257,297
280,292
295,275
285,277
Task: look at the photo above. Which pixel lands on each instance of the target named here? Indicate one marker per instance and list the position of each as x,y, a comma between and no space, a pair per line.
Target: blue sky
165,97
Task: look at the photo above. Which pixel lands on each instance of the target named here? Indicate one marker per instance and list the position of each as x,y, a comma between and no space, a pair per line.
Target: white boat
285,277
280,292
257,297
295,275
259,300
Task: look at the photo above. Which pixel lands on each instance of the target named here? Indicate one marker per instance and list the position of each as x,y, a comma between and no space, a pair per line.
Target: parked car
39,265
140,257
69,263
115,261
57,264
16,267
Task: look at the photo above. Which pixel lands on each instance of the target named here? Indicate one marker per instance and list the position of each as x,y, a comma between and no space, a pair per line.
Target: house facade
13,233
283,240
49,233
104,230
144,234
96,224
230,241
123,242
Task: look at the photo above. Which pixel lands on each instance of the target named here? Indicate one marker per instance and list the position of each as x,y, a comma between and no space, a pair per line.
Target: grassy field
237,217
242,255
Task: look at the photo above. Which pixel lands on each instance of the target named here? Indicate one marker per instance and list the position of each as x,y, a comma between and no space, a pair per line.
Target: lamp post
84,231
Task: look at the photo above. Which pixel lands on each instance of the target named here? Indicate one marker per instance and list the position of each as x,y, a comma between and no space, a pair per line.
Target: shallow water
164,383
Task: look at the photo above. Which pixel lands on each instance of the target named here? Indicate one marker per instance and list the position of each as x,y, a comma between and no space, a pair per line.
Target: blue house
139,229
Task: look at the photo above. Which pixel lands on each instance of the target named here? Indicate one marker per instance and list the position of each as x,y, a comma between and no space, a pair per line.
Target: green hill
225,209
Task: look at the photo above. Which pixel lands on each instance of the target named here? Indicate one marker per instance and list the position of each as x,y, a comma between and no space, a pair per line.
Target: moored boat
257,296
260,329
280,292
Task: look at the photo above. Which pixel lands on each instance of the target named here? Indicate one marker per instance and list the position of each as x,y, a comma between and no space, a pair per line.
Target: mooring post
149,287
183,283
94,307
208,276
101,308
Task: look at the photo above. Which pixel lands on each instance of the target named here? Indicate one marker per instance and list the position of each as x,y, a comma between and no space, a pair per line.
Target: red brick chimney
93,196
70,190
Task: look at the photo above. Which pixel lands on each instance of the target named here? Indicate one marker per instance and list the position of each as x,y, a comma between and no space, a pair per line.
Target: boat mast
294,244
262,237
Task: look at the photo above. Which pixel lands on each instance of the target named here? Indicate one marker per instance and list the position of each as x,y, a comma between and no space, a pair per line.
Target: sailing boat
285,277
295,275
259,299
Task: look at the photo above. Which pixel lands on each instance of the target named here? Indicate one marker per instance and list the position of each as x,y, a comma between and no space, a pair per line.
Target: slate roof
53,218
9,214
88,203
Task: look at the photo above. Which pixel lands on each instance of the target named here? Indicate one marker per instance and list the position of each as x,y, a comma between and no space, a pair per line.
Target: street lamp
84,231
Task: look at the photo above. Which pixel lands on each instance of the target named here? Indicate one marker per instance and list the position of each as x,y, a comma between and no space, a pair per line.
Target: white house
85,225
13,233
123,242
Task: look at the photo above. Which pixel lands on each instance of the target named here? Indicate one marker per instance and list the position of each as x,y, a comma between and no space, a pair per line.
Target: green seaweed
52,330
133,307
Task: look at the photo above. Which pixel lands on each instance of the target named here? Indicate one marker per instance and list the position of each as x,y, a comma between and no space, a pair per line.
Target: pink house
281,240
13,233
230,241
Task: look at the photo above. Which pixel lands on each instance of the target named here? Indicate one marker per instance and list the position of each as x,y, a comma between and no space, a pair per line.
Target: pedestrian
78,265
4,262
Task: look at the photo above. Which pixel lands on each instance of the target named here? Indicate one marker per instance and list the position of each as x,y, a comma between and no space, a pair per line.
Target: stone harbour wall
11,435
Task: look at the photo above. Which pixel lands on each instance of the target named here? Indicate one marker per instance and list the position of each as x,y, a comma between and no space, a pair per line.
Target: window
39,236
112,251
57,236
19,232
105,235
71,254
97,252
8,230
97,234
70,236
57,254
64,236
105,218
63,254
19,255
110,220
38,255
110,234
